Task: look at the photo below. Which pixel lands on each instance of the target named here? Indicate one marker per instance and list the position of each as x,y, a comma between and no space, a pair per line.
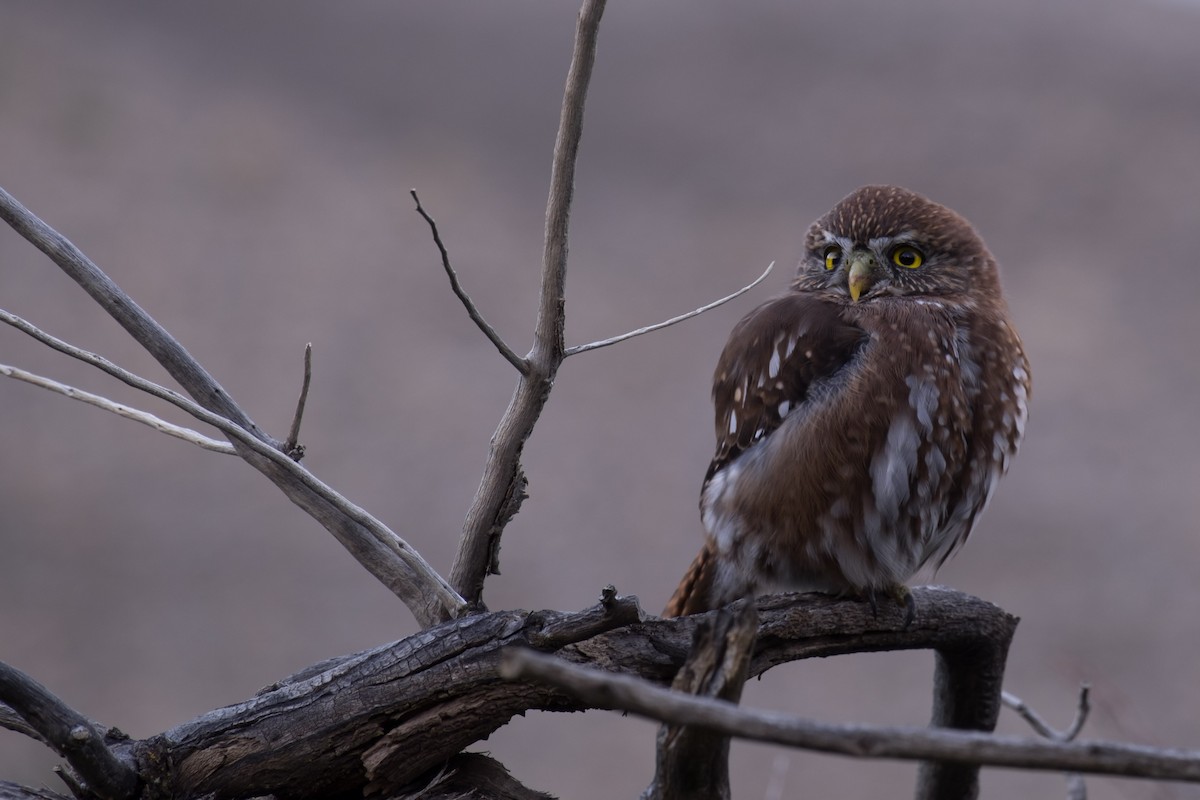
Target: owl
863,418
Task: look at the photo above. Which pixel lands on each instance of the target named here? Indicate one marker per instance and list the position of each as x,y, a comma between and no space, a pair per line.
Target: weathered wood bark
693,763
385,720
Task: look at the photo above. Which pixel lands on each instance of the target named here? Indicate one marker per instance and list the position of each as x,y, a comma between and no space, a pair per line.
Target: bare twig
177,361
502,487
121,410
583,348
70,734
461,294
292,446
418,585
1076,788
1042,727
623,693
391,560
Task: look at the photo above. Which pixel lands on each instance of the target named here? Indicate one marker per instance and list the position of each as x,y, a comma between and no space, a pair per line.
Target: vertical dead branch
693,763
967,685
502,487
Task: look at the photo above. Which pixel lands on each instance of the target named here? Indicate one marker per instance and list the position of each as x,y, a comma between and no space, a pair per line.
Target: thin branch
421,586
70,734
99,362
292,446
1076,788
145,330
1042,727
391,560
121,410
502,487
583,348
473,312
623,693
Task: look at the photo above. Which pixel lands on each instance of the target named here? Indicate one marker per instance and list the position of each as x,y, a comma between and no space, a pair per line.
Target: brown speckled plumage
864,417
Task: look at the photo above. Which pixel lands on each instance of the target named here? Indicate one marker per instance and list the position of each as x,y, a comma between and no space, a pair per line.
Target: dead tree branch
583,348
71,735
1043,728
384,554
1076,788
502,487
120,409
292,446
625,693
461,293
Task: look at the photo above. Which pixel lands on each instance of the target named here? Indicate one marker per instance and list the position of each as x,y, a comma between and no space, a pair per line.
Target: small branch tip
583,348
472,311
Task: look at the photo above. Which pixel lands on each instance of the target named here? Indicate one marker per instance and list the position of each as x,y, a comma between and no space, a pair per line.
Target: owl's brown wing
770,363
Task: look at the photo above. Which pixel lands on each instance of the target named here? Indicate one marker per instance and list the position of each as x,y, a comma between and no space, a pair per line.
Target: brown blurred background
242,170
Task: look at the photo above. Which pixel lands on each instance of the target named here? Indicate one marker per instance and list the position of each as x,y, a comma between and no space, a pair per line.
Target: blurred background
242,169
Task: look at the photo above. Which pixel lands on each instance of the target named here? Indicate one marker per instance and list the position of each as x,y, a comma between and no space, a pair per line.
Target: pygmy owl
863,418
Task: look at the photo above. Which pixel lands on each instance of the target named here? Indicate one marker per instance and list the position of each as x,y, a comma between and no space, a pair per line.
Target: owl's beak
862,269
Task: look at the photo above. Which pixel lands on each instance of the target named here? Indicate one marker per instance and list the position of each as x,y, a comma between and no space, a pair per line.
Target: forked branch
502,487
70,734
388,557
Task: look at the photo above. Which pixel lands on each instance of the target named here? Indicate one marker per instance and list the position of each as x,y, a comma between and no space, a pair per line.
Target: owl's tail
693,592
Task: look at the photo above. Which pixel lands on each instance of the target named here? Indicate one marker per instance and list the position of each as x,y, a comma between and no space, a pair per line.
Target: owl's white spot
892,468
773,366
784,408
808,354
935,462
732,422
791,346
923,398
737,395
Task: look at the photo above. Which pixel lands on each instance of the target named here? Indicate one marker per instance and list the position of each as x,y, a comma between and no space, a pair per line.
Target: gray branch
598,689
120,409
384,554
583,348
502,487
464,298
71,735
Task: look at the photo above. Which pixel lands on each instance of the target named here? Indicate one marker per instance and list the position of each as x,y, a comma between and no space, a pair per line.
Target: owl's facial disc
862,273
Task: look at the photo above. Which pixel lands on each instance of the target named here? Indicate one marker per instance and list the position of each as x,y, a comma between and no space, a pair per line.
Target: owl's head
883,241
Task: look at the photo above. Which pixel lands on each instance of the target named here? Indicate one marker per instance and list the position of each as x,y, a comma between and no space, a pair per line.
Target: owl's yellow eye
833,257
907,257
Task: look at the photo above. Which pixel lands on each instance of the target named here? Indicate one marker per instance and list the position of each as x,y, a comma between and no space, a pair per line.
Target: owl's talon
904,597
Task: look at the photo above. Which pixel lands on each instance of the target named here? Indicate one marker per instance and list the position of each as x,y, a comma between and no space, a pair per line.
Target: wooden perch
693,763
